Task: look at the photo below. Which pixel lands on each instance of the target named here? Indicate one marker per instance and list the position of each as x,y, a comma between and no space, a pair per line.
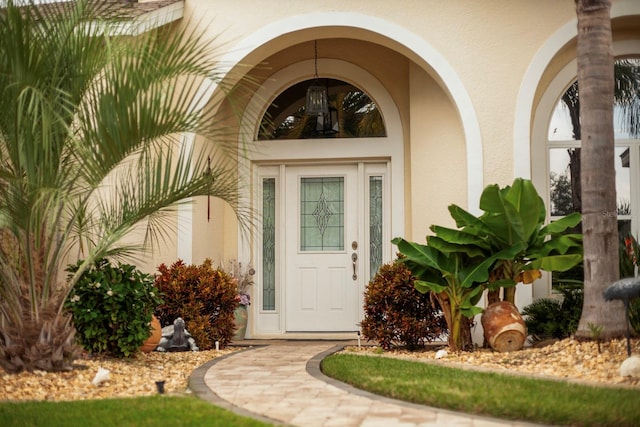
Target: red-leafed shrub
396,314
204,296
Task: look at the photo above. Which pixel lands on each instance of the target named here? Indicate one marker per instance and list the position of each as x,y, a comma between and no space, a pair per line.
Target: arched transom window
352,114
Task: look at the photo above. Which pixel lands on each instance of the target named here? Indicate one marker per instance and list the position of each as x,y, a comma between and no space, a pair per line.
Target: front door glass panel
322,214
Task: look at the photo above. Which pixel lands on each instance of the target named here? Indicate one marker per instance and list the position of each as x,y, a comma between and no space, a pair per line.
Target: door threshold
308,336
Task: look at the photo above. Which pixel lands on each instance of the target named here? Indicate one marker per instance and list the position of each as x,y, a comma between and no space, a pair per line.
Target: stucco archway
270,39
336,24
524,113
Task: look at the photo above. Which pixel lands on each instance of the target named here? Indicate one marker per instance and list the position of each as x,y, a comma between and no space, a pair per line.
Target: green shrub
396,314
549,318
205,297
112,308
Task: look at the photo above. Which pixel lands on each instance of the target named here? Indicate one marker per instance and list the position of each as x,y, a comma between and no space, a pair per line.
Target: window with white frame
563,149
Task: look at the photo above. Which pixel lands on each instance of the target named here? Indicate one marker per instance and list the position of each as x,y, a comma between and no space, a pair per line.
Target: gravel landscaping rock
136,376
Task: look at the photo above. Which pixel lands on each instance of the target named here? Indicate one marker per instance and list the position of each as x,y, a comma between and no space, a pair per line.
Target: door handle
354,258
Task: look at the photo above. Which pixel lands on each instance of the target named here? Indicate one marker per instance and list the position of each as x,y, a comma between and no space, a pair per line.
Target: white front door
322,228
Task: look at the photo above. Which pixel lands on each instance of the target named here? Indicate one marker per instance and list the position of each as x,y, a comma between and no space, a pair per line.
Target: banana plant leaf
501,217
515,215
556,262
529,205
453,235
559,245
448,247
425,286
562,224
465,271
468,221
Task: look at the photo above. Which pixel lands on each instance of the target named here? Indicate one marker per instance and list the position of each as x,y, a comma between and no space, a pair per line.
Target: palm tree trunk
599,213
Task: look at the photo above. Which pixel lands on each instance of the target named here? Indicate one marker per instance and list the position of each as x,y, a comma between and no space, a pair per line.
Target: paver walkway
281,383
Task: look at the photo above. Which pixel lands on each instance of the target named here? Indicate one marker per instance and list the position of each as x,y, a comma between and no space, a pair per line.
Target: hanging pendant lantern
317,103
317,98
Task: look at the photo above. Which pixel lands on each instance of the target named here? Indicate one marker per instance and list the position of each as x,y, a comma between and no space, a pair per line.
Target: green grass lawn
495,395
139,412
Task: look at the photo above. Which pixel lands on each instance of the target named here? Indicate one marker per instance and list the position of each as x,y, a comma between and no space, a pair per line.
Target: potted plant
243,277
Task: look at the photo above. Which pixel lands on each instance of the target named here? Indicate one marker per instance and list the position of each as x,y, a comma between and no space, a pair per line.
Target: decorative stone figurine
176,338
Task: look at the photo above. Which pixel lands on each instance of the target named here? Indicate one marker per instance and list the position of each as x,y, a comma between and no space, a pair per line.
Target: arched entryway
430,157
328,206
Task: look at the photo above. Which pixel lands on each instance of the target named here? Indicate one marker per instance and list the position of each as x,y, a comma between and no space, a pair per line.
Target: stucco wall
438,167
451,67
466,78
489,44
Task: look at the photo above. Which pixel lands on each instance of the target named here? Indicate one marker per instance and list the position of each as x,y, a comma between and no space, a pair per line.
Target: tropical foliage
554,318
558,317
204,296
396,314
513,219
507,244
112,307
456,278
90,156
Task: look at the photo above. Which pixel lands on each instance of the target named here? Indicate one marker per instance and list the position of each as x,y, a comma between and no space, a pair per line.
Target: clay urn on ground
504,327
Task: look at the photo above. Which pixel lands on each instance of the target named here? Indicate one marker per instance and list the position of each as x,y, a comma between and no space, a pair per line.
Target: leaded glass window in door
375,224
269,244
322,214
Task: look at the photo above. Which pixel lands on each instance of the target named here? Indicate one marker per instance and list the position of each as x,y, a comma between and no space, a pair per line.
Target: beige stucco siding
463,86
431,57
437,157
488,46
488,43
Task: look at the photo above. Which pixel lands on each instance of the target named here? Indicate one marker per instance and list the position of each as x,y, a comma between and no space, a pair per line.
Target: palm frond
91,150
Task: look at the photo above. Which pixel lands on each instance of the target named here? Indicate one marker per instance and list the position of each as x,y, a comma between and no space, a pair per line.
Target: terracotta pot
504,328
154,339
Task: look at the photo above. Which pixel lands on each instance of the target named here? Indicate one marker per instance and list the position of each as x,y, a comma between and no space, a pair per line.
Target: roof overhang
139,18
126,18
